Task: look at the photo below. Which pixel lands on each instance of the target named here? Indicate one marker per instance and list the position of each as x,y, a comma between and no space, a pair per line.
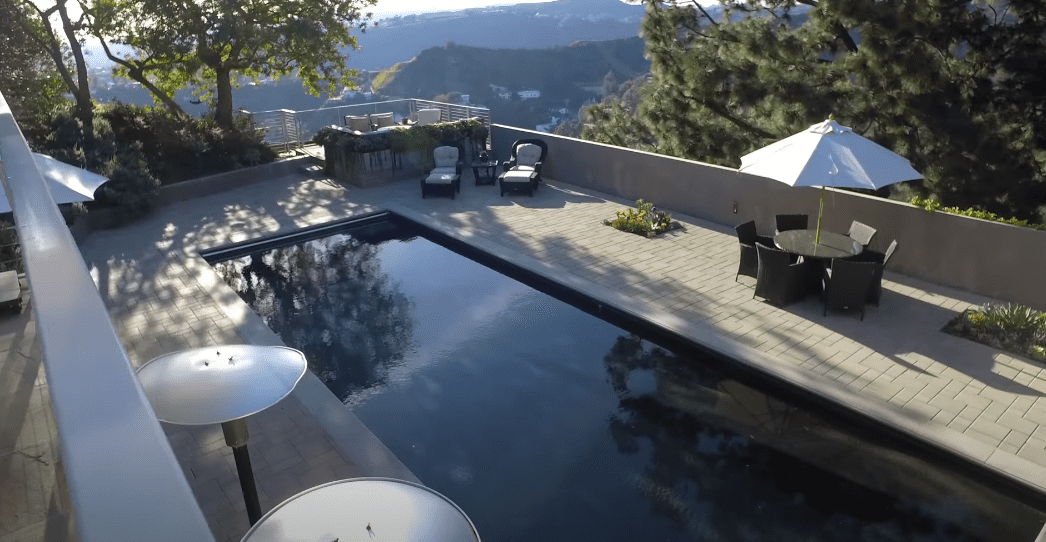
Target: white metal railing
287,129
123,477
281,128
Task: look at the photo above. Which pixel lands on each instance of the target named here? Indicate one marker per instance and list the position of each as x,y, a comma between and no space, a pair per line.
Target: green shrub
644,220
131,188
414,139
138,148
178,148
1011,327
932,205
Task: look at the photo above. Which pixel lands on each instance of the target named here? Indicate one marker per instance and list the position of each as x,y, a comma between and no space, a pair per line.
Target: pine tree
955,86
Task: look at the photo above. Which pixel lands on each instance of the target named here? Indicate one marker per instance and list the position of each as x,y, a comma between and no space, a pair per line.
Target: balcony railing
124,480
286,129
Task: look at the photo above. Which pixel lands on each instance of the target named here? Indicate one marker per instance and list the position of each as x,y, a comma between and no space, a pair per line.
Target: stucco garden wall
989,258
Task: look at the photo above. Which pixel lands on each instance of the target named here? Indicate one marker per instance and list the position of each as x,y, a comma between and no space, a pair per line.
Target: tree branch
840,30
137,73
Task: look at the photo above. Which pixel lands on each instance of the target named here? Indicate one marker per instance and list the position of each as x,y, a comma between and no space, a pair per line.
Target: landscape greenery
206,45
1014,328
645,220
953,85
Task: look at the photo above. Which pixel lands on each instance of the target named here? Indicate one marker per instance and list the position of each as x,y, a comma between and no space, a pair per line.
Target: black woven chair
523,172
862,233
880,259
779,280
747,236
792,222
846,285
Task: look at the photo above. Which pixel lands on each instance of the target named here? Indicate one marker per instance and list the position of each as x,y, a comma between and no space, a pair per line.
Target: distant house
465,99
504,95
527,94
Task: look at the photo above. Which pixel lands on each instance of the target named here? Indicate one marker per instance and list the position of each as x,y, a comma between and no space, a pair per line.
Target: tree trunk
223,106
82,90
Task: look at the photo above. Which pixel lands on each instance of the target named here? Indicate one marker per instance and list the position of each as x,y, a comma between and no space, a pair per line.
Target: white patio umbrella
68,184
827,154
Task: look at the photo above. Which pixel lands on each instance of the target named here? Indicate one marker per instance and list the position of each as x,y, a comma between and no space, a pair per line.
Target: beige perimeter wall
989,258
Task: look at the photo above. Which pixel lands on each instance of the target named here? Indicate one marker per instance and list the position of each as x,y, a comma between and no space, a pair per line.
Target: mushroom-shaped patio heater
223,384
365,509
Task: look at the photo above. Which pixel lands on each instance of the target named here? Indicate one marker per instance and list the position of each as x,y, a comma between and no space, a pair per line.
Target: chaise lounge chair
445,179
523,170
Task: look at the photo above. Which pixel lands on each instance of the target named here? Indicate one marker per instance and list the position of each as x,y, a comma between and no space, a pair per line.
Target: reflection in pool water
545,423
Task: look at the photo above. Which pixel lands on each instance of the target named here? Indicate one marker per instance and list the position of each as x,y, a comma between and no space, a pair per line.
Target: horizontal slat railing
123,477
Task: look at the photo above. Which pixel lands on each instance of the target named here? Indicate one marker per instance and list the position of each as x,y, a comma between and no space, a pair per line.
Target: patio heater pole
236,437
223,384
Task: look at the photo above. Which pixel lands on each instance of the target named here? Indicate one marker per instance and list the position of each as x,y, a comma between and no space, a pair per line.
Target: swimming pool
544,422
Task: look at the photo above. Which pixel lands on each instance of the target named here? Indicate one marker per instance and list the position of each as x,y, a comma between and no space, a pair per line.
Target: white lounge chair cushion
429,116
528,154
519,176
359,124
382,119
442,176
445,156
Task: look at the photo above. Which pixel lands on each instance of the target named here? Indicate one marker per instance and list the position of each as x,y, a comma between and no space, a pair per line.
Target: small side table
485,173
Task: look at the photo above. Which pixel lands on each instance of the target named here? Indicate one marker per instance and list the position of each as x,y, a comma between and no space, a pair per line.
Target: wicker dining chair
846,285
862,233
748,237
779,280
792,222
879,259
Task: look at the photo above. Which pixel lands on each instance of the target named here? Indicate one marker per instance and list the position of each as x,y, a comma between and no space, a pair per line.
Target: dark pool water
544,422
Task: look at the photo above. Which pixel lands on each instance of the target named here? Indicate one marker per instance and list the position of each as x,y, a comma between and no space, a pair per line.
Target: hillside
471,70
522,26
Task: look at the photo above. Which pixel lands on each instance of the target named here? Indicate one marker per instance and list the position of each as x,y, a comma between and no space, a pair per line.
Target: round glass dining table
832,245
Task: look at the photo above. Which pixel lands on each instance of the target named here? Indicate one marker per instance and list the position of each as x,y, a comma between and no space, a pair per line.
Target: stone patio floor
896,365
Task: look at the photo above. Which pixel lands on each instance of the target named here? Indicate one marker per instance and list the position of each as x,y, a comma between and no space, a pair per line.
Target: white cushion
519,176
359,124
429,116
441,177
382,119
445,156
528,154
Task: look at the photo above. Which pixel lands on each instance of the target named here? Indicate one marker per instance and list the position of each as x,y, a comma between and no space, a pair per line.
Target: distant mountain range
476,70
521,26
399,39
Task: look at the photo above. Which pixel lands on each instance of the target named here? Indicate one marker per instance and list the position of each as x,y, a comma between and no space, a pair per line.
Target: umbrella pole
820,212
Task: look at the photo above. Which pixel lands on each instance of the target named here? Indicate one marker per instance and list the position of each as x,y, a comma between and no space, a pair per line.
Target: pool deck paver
895,365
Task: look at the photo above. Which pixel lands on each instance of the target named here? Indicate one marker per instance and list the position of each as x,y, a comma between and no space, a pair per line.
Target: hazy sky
422,6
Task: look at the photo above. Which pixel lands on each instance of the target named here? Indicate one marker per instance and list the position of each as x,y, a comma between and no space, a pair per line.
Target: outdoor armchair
779,280
428,116
382,120
747,237
862,233
846,285
792,222
879,259
523,169
445,178
358,124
